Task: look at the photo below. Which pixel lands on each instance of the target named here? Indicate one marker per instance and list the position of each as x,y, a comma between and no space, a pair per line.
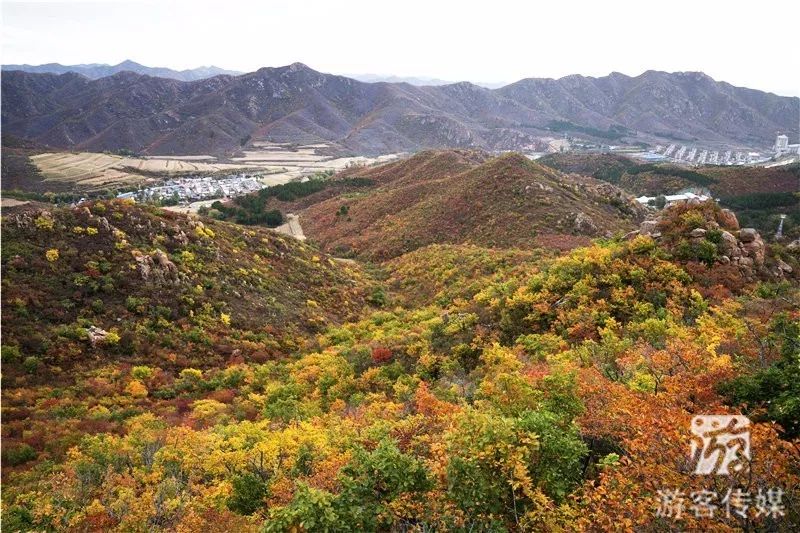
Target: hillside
455,197
98,70
665,178
759,195
515,391
153,280
299,105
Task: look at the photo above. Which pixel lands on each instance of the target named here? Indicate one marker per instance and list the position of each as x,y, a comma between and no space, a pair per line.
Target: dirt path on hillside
292,227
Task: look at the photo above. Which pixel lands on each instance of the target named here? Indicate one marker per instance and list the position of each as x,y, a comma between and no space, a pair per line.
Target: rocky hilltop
707,233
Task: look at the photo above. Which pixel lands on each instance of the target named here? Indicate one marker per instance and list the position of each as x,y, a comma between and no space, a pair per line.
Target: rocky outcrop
729,245
96,335
584,224
743,248
727,219
156,268
752,245
648,227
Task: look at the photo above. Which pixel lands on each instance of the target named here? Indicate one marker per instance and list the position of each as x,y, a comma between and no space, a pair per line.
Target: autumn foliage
261,391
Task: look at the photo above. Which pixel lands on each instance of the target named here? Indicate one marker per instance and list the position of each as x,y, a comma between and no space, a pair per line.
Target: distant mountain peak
130,63
298,66
96,71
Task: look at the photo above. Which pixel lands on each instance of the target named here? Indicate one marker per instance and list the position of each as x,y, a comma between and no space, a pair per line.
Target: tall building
781,143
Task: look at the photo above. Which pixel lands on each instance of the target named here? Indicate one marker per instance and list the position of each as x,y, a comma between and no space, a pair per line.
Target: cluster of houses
700,156
191,189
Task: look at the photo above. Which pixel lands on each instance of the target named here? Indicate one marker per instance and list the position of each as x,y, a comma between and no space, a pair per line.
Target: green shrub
249,492
704,251
378,297
16,455
31,364
141,372
10,354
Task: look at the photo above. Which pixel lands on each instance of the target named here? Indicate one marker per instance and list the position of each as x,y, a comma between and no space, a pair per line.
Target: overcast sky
488,41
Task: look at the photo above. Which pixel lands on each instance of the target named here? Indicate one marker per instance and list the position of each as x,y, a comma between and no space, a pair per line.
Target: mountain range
101,70
296,104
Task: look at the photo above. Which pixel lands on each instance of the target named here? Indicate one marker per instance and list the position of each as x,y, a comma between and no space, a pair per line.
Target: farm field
303,157
93,171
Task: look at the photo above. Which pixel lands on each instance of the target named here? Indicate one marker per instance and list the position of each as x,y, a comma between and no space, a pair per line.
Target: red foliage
91,426
223,395
381,355
183,405
236,358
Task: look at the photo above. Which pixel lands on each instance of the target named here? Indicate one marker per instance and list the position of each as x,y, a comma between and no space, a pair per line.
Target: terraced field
97,170
89,172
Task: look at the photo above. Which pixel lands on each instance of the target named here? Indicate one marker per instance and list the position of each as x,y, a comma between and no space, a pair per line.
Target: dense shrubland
453,388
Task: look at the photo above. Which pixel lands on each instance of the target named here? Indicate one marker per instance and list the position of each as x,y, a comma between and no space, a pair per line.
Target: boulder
584,224
102,222
728,243
755,249
648,227
697,233
181,238
96,335
727,219
783,266
747,234
24,220
156,268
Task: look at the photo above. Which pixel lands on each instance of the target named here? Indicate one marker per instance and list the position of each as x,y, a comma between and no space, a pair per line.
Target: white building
782,146
674,198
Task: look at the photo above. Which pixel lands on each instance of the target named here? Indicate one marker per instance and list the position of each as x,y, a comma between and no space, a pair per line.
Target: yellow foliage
191,374
51,255
207,410
204,232
112,338
137,389
44,222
